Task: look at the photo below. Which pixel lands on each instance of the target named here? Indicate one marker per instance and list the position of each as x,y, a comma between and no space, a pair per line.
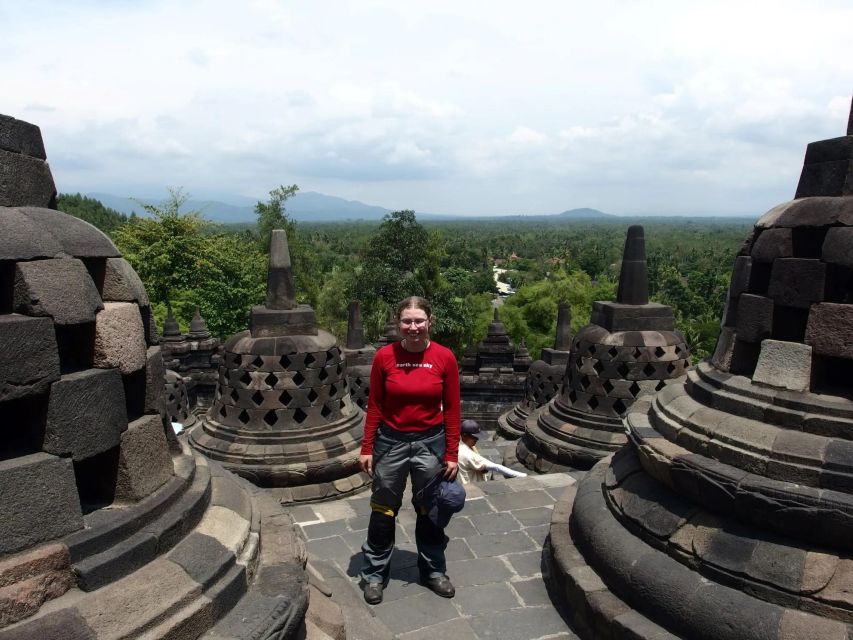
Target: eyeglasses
418,322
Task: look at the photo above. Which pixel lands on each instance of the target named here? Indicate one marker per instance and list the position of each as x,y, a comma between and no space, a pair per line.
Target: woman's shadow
403,576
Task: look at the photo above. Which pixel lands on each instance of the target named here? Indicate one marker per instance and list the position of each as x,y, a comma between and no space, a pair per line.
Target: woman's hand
366,464
450,469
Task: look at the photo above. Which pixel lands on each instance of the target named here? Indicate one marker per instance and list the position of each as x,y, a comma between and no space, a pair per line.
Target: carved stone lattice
283,416
544,378
629,349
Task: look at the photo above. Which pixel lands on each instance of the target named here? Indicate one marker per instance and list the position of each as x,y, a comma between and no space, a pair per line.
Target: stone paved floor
493,559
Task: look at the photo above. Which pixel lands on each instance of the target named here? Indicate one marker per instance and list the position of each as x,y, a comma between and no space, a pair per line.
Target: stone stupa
544,378
730,514
107,531
283,416
195,356
630,348
492,376
359,357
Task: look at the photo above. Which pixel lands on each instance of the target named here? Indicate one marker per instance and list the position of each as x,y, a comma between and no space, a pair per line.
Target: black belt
408,436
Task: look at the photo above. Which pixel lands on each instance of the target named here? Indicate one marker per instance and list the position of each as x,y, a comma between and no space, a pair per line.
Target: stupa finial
563,339
281,293
850,121
355,330
634,277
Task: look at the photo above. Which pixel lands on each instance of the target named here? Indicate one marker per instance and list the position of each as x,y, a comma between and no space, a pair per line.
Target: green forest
187,260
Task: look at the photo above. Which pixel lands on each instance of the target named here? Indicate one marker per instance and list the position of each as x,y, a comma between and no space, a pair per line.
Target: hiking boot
440,585
373,592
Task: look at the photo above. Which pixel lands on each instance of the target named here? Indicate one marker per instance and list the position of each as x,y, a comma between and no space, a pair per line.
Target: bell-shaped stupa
544,378
730,513
359,357
109,526
283,416
630,348
492,376
195,357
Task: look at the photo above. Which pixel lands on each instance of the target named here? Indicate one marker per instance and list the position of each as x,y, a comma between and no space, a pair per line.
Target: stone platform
494,559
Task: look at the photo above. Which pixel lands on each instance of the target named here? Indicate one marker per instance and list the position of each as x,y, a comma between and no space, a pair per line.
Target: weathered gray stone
796,282
838,246
122,284
77,237
830,329
86,413
120,337
784,364
772,244
60,288
21,137
144,461
754,317
38,501
740,275
155,380
24,239
25,180
65,624
29,360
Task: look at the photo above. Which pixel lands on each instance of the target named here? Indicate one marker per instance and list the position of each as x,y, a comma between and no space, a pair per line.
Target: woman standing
412,428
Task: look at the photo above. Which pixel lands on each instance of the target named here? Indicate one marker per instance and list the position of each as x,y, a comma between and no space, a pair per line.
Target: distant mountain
585,214
306,206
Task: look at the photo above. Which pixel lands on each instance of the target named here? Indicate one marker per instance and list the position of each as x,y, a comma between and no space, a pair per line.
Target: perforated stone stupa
730,514
629,348
544,378
116,535
359,357
283,416
492,377
195,356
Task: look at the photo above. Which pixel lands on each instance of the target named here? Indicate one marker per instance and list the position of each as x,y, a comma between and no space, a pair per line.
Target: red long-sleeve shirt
414,392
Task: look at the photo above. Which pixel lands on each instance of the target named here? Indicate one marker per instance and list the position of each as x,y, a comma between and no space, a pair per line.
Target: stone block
65,624
77,237
796,282
838,246
830,329
267,323
754,317
23,239
25,180
38,501
628,317
740,275
122,284
144,460
60,288
120,337
21,137
29,579
832,178
29,360
86,413
772,244
155,381
784,364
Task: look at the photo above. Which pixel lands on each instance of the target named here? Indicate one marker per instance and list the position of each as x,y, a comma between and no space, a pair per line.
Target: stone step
181,594
134,549
105,526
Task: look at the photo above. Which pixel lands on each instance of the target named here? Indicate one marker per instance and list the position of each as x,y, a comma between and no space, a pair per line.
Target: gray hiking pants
396,456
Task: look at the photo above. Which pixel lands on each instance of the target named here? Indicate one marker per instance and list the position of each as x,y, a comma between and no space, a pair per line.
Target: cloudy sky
466,107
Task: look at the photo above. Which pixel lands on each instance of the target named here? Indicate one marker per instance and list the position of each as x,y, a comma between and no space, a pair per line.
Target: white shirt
472,466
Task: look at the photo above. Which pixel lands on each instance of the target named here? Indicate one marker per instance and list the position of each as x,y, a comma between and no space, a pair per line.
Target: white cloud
446,106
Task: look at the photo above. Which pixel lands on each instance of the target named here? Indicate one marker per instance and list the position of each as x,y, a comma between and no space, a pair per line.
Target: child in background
473,466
